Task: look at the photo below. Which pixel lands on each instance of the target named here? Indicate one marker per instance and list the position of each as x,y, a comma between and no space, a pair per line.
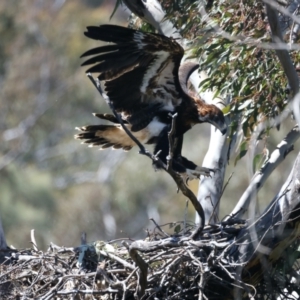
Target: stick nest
159,267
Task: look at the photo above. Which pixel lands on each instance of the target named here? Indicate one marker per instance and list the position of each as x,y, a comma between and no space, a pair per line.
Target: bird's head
210,113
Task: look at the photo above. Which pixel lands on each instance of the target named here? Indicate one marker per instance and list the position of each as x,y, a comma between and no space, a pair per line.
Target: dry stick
44,286
54,290
159,228
118,259
86,292
202,279
143,266
176,177
166,271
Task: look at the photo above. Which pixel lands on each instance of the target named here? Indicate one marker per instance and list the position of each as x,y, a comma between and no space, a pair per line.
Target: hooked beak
219,124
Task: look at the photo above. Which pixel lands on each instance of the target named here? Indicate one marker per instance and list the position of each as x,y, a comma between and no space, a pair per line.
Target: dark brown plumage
146,82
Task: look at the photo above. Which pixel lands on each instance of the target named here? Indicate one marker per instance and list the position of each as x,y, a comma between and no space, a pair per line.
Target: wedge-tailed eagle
146,83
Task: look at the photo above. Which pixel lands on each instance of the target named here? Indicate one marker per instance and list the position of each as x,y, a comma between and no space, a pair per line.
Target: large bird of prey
146,84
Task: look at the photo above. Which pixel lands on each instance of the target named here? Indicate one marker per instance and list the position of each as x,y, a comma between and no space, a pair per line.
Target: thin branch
159,228
226,184
143,266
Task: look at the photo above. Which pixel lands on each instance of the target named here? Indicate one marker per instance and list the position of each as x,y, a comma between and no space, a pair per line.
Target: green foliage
177,228
229,45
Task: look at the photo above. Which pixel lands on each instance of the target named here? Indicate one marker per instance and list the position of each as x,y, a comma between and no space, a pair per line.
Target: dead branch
143,266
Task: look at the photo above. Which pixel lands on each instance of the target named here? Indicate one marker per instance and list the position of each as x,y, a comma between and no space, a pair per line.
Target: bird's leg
196,173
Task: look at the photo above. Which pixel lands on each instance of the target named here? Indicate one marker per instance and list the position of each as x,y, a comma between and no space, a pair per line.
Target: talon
196,175
208,175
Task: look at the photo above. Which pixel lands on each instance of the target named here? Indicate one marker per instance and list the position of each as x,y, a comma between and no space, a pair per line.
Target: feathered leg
192,171
187,169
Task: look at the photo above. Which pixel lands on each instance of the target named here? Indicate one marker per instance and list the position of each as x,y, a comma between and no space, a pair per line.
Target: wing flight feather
140,69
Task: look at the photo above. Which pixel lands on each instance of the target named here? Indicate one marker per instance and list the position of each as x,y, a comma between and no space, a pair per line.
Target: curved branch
277,230
260,177
289,196
143,266
285,146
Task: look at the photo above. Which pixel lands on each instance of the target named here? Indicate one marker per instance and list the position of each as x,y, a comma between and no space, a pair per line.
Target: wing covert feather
139,69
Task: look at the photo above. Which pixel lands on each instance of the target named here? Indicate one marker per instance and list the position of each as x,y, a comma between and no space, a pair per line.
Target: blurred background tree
48,181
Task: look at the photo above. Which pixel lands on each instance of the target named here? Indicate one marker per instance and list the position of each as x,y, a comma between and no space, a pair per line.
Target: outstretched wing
140,70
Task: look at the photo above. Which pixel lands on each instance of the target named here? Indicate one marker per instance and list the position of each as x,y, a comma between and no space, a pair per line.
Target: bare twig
159,228
118,259
143,266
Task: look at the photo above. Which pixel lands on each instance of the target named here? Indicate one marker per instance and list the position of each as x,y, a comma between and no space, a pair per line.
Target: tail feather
105,136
